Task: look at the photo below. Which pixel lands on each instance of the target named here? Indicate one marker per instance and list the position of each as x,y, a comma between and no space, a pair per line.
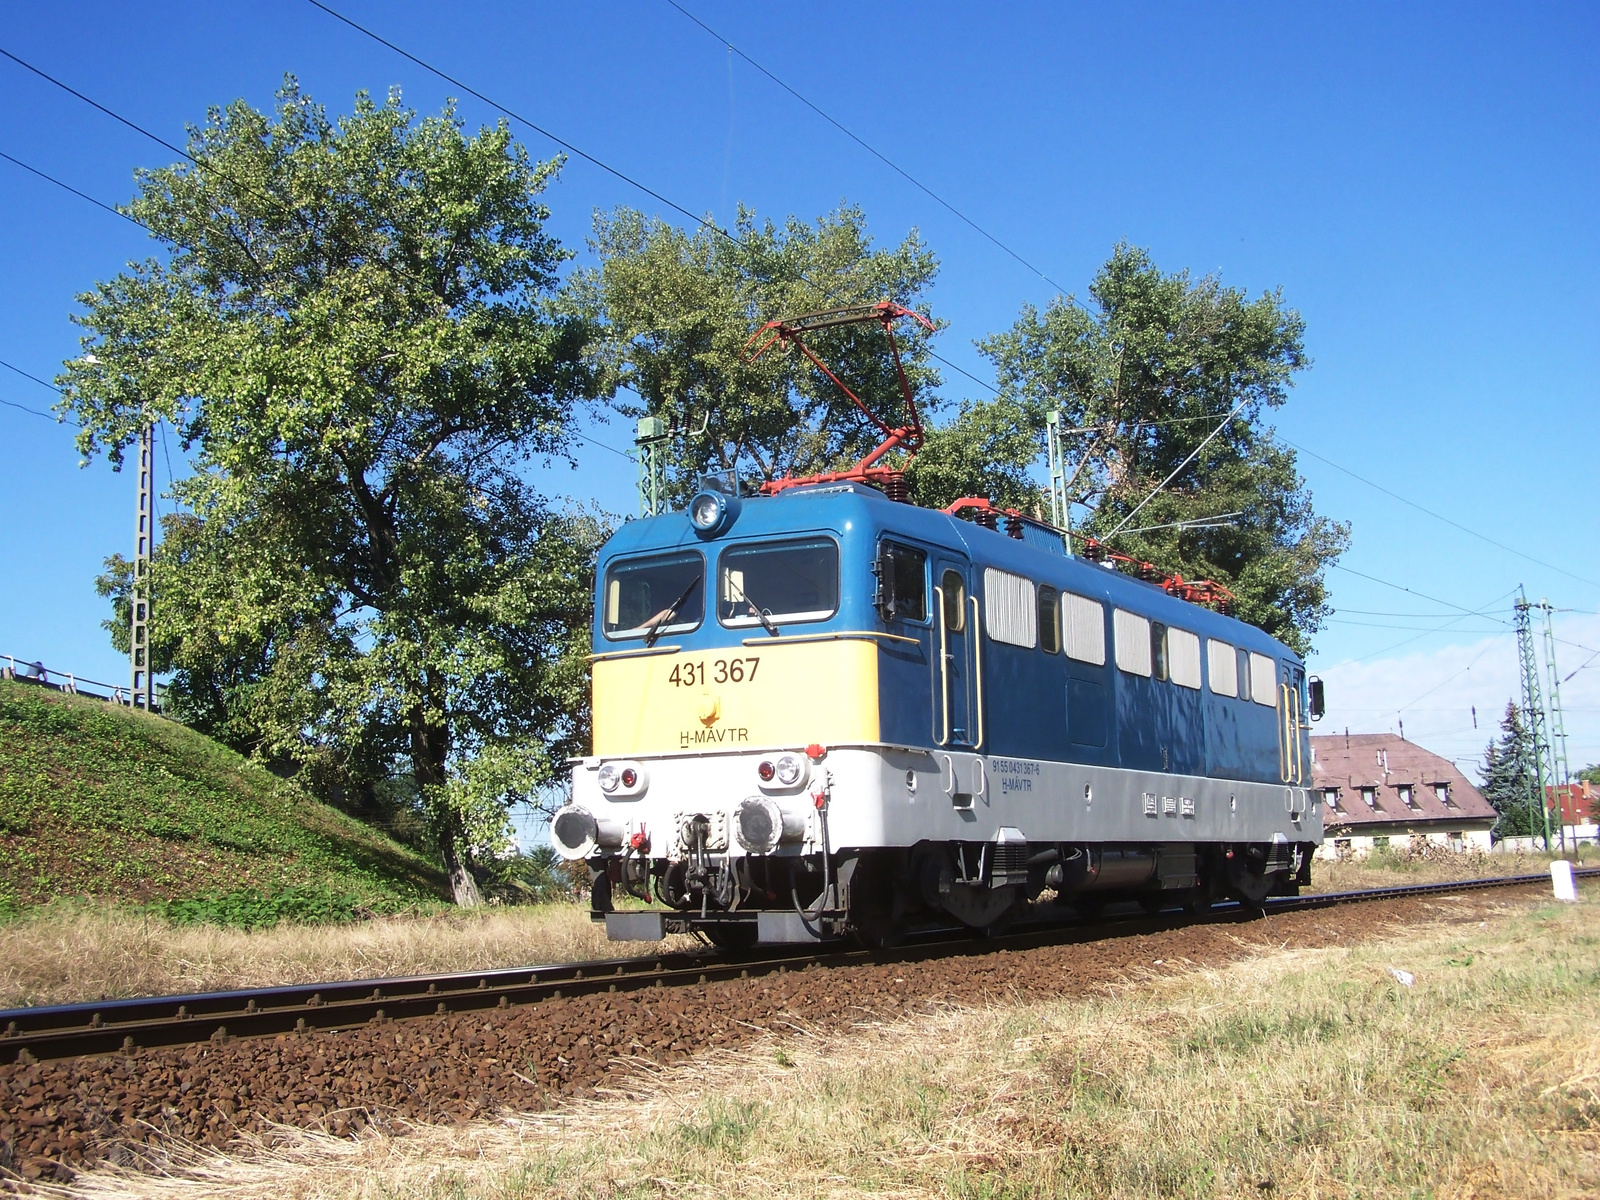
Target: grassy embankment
106,803
1311,1073
140,857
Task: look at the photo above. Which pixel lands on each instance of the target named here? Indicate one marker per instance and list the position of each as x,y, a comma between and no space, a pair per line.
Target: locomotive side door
955,716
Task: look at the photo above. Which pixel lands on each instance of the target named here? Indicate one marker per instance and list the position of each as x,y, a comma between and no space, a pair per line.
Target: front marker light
629,777
610,776
766,770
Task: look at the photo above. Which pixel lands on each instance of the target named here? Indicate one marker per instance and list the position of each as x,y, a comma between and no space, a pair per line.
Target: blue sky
1420,181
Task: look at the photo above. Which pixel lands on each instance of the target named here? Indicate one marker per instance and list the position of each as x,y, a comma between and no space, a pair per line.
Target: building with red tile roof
1378,789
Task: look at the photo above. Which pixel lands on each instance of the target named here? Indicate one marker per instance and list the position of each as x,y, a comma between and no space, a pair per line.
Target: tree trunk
463,887
428,750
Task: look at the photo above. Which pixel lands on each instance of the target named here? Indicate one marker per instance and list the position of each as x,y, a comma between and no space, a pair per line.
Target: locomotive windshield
642,591
781,581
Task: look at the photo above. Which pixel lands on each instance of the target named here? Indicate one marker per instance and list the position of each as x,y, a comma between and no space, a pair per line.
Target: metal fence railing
35,672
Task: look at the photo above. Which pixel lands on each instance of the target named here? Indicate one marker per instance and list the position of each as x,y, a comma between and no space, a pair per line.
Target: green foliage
1147,373
537,877
1590,774
987,450
97,800
678,309
355,334
1509,778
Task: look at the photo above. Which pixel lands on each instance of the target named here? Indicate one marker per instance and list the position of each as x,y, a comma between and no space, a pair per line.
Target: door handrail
1283,730
977,671
944,664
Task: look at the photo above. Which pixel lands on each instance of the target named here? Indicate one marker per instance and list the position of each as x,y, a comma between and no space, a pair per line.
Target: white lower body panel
887,796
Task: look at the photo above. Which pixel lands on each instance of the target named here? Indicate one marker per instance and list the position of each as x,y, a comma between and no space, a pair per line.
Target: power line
1447,603
111,209
1437,516
1446,680
36,412
45,383
68,187
1422,595
115,116
1421,628
516,116
26,409
1190,458
881,157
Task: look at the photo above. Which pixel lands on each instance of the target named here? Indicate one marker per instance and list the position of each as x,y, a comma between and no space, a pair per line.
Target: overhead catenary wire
1439,516
1407,707
1189,458
870,149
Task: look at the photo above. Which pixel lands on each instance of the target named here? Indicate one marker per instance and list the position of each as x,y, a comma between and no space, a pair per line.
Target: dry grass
65,953
1401,865
1301,1073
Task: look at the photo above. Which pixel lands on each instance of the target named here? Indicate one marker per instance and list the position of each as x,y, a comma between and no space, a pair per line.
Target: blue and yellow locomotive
823,711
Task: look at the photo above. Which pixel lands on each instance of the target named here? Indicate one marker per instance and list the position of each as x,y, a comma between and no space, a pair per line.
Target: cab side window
902,583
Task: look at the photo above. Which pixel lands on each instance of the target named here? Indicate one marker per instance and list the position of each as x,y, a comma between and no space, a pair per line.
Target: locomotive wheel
1247,885
877,913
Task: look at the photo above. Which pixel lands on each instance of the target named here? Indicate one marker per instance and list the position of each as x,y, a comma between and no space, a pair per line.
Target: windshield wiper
766,621
656,627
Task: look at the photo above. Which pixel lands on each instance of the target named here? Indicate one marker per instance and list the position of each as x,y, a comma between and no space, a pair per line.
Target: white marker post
1566,887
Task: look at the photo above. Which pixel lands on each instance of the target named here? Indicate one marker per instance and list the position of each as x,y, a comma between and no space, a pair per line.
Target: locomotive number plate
721,670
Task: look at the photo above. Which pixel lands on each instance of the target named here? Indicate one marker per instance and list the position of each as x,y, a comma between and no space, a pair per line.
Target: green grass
106,803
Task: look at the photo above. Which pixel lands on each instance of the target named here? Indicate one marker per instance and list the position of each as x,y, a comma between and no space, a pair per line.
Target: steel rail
146,1023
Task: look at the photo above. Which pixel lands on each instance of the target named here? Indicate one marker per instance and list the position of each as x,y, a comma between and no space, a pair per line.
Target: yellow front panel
748,696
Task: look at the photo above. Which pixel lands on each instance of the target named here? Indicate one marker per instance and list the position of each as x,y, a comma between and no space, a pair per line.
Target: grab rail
977,672
643,652
846,635
944,664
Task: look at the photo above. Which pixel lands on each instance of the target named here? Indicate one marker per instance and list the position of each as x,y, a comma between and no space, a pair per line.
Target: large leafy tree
353,330
1509,778
1142,374
678,309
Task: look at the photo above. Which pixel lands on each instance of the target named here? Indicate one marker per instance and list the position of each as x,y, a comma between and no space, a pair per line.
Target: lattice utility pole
1533,707
139,595
1060,506
1560,777
651,439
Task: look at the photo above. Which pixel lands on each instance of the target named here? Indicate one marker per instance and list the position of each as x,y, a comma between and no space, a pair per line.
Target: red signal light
766,770
629,777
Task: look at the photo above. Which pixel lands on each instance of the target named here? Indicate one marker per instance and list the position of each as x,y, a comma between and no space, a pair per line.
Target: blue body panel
1037,705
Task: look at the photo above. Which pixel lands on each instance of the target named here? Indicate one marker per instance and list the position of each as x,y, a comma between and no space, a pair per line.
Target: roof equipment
908,436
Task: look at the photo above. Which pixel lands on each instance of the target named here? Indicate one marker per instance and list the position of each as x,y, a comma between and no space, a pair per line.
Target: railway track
126,1026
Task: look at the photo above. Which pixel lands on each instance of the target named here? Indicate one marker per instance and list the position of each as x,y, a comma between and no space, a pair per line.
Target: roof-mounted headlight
711,512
